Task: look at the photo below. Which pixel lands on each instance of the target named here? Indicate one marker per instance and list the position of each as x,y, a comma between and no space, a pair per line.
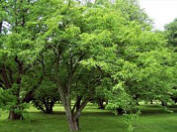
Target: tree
17,58
78,43
145,69
45,97
84,51
171,34
92,40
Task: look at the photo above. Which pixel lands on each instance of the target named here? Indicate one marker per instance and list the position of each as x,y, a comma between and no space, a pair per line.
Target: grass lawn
152,119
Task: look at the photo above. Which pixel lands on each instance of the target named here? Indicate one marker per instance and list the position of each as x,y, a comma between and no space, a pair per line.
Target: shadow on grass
103,113
157,109
145,110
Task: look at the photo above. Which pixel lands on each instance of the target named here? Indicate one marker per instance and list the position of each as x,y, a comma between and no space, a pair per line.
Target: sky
161,12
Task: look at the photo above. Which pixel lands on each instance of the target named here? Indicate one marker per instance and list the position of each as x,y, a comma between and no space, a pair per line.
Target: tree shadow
157,109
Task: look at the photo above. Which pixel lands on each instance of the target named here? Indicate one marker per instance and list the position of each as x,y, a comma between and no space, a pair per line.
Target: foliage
82,51
129,119
17,56
171,35
45,97
171,32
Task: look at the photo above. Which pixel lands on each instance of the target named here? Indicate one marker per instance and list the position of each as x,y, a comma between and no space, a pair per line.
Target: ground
152,119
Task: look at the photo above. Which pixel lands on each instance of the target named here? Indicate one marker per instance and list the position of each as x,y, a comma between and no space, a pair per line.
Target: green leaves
171,32
104,49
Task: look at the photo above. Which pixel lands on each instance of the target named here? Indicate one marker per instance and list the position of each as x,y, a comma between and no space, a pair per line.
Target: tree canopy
53,50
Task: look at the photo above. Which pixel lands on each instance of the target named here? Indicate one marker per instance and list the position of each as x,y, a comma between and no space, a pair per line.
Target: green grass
152,119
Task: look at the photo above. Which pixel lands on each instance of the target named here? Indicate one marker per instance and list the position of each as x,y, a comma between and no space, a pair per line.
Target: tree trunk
151,102
15,116
174,99
164,103
48,106
1,27
49,109
120,111
101,104
73,122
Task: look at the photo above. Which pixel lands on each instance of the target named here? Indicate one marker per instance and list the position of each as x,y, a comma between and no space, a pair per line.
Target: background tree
171,32
17,57
45,97
171,35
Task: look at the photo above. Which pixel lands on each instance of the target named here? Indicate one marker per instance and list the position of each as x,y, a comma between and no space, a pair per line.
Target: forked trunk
15,116
73,124
72,121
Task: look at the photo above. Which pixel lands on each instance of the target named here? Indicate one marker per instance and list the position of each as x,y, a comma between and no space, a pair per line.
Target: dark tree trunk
151,102
164,103
1,27
107,102
15,116
49,111
101,104
174,99
49,107
120,111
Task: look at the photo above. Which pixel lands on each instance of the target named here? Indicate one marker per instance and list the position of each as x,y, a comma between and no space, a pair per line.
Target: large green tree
84,50
79,41
17,54
171,35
